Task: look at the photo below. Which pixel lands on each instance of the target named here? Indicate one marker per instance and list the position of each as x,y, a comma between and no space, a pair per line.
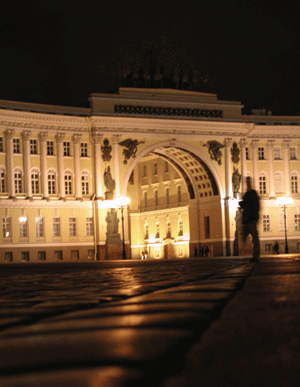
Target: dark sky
61,51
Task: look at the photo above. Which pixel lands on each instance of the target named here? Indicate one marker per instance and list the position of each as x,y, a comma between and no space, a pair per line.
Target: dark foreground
205,322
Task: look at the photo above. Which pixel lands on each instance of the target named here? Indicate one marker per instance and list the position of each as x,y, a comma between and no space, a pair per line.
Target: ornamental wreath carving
131,150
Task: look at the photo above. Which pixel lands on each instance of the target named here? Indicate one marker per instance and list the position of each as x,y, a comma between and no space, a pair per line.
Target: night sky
61,51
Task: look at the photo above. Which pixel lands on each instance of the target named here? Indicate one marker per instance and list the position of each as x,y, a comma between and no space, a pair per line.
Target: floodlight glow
284,201
122,201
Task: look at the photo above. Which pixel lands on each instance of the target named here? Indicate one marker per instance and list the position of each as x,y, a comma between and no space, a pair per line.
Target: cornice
42,121
40,204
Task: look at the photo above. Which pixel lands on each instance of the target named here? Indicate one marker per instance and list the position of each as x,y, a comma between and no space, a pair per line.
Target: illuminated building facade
180,157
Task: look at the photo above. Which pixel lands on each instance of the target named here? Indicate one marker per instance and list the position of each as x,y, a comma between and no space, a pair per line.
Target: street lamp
283,202
122,202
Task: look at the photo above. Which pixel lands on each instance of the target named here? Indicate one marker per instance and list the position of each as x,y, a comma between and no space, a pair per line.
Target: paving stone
187,320
121,346
90,377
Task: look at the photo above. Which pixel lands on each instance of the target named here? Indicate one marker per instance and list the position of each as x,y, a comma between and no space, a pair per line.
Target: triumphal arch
179,156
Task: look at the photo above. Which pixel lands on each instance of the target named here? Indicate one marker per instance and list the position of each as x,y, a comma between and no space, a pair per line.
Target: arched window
68,183
262,183
294,182
85,186
51,176
34,175
18,180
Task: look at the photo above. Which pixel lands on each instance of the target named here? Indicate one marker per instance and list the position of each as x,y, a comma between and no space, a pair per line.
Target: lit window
72,227
157,230
51,183
83,149
89,225
56,227
6,227
18,181
33,147
146,229
68,183
50,148
67,148
41,255
266,223
25,256
294,183
85,183
262,185
169,234
34,182
16,145
23,229
39,227
180,228
58,255
261,153
293,153
75,255
91,254
2,180
297,222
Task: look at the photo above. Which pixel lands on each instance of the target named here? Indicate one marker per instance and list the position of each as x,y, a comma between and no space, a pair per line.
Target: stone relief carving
106,150
214,150
109,183
131,150
236,180
235,153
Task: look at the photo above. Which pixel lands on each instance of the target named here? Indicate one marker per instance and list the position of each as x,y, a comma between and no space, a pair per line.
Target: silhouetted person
195,252
276,248
206,251
250,216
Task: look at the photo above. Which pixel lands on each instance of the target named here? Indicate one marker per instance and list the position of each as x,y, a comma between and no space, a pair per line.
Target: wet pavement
198,322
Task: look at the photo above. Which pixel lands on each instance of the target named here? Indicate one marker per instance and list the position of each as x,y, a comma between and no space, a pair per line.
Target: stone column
243,143
60,164
286,146
228,171
255,165
115,141
26,161
228,194
271,169
10,162
76,139
97,166
43,163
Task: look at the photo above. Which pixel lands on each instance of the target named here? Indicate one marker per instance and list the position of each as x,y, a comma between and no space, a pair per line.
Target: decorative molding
243,142
10,133
60,137
116,138
26,135
76,138
167,111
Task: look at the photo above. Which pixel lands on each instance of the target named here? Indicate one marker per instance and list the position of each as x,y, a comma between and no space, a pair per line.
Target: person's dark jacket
250,206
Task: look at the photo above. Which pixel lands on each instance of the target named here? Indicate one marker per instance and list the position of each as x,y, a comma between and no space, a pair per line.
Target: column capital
10,133
254,144
76,138
43,136
286,144
26,135
116,138
59,137
97,137
243,142
227,141
270,143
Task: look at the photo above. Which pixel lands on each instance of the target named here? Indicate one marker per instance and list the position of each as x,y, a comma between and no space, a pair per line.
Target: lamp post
283,202
122,202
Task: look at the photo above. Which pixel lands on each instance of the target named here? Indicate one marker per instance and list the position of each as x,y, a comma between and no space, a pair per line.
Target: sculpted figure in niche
236,180
109,182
